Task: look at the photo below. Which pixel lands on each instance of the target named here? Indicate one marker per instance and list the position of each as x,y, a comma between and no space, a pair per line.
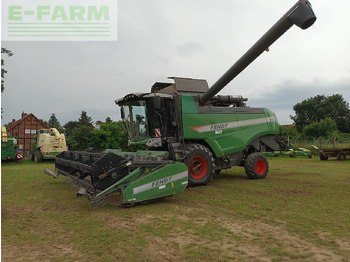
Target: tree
53,122
3,71
316,108
323,128
80,133
85,120
69,128
110,135
81,138
45,122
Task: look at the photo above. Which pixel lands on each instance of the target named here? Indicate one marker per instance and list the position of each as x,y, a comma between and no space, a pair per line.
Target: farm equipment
47,144
286,149
301,151
339,153
9,149
191,133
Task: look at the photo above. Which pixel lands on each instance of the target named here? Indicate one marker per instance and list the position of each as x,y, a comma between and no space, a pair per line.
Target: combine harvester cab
190,130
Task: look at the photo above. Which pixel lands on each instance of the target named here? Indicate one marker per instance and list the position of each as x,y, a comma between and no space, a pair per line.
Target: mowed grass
300,212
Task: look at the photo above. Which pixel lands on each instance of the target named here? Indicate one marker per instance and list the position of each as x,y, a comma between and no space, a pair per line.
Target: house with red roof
25,129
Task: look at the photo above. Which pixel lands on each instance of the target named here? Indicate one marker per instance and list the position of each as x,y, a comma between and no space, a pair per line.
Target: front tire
256,166
38,157
201,165
323,156
311,155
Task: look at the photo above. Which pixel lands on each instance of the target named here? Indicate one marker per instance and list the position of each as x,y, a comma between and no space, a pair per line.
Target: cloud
282,97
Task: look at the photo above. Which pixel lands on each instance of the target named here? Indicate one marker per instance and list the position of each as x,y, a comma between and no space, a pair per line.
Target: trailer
339,153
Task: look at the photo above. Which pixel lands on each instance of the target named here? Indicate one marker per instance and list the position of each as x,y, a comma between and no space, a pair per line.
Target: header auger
191,133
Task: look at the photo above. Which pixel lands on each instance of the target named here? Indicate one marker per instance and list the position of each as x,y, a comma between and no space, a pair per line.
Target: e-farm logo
59,20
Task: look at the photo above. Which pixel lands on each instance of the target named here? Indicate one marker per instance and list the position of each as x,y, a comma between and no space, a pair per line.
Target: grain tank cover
181,86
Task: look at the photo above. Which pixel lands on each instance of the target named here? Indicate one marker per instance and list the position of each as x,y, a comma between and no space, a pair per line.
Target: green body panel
141,142
8,149
166,181
228,132
143,184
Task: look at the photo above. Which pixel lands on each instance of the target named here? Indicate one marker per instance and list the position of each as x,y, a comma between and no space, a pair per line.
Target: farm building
25,129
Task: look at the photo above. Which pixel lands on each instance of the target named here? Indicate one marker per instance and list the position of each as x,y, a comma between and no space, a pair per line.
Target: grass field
300,212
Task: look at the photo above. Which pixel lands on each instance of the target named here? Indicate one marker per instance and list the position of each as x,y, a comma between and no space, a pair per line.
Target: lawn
300,212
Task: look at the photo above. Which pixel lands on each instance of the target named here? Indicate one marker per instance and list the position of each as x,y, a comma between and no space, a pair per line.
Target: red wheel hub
260,166
198,167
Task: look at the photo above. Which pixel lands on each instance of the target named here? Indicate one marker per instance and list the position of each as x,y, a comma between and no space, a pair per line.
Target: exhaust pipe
301,15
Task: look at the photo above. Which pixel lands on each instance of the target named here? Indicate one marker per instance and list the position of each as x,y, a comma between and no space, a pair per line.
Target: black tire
323,156
201,165
32,155
256,166
341,156
38,157
311,155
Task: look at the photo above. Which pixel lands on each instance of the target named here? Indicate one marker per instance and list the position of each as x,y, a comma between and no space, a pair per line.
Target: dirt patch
34,253
4,214
282,242
251,241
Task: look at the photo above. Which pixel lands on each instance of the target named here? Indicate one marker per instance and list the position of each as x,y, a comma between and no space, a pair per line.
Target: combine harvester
190,130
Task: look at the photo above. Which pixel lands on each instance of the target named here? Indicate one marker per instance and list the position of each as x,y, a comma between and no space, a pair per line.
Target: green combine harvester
191,133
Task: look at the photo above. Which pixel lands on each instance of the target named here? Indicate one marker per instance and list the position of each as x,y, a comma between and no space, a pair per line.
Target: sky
184,38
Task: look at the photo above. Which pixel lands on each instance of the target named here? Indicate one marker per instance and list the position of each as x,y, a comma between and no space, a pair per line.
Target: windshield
135,120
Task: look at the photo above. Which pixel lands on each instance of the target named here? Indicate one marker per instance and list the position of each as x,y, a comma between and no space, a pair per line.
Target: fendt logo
59,20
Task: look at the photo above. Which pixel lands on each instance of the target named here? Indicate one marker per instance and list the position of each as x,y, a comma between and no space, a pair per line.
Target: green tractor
191,133
47,144
9,149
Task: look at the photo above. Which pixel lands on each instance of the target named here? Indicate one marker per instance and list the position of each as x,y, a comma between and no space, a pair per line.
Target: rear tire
256,166
341,156
201,165
38,157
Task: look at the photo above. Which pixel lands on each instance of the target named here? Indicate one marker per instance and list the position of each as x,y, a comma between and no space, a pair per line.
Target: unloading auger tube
301,15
